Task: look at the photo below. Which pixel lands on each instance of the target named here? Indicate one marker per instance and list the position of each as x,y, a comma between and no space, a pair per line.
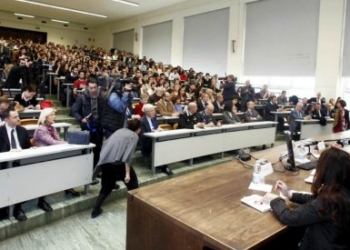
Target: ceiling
113,10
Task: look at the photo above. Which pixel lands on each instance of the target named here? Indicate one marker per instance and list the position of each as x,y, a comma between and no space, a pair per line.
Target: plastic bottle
256,173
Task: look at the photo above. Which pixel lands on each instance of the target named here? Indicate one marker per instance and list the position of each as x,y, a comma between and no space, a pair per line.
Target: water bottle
256,173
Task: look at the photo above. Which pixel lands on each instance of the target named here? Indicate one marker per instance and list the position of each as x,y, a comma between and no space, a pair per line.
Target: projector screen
124,40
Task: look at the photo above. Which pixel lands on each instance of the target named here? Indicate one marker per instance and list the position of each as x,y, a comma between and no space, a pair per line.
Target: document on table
310,179
256,201
261,187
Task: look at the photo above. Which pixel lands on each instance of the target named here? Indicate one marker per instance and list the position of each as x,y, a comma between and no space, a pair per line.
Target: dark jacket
82,108
146,142
268,108
230,117
206,119
15,74
228,91
217,107
22,102
110,119
187,121
321,233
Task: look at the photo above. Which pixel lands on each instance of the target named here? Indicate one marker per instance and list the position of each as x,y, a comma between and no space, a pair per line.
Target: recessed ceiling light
61,8
128,3
59,21
23,15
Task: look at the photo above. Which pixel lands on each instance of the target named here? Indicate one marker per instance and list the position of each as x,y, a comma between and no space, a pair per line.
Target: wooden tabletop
207,202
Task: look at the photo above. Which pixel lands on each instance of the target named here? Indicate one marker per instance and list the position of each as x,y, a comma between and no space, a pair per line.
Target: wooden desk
29,113
311,128
203,209
43,171
184,144
59,125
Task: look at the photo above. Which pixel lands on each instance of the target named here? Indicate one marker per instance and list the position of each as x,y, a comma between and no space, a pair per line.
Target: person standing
341,117
115,162
229,89
248,94
85,111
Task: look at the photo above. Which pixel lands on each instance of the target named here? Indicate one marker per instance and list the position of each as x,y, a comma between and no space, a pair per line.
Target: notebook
255,201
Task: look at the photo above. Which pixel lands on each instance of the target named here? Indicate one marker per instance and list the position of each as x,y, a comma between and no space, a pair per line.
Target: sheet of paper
321,146
301,161
260,187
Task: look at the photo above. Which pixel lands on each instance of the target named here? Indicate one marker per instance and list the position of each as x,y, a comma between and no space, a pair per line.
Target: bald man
206,116
189,118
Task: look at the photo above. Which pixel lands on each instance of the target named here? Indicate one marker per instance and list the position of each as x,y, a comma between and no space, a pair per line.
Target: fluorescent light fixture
62,8
128,3
59,21
23,15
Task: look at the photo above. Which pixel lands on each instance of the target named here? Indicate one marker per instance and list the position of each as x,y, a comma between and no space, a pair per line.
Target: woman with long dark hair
326,212
341,117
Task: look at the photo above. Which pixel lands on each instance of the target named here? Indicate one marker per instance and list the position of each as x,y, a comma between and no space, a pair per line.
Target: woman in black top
27,97
326,212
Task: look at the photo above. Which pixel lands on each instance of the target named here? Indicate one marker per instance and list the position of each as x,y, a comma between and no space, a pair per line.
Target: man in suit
165,107
270,106
189,118
229,89
206,116
317,114
149,124
14,137
251,115
328,111
296,114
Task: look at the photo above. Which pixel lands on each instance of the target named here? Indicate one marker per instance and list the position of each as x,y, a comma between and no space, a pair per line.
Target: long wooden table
183,144
202,210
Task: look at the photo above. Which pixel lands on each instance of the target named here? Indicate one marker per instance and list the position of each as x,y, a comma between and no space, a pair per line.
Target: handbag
78,137
46,104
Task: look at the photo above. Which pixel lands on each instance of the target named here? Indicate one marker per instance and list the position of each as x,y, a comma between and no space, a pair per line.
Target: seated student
165,107
206,116
149,124
218,104
328,111
46,135
229,114
316,113
282,99
177,104
309,109
189,118
271,106
27,99
251,115
157,95
143,100
236,103
323,215
203,102
13,137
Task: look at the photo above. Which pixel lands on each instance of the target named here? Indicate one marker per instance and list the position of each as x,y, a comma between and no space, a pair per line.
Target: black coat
17,73
268,108
321,233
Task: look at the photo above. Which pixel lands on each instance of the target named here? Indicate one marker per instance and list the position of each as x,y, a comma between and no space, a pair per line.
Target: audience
203,102
282,99
165,107
4,106
219,103
297,114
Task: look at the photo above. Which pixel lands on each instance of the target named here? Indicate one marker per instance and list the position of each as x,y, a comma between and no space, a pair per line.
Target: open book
256,201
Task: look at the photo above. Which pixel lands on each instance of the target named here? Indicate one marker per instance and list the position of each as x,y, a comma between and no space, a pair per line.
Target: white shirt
9,129
173,75
150,123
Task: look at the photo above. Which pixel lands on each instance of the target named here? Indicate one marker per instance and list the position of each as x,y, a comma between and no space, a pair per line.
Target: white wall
56,33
